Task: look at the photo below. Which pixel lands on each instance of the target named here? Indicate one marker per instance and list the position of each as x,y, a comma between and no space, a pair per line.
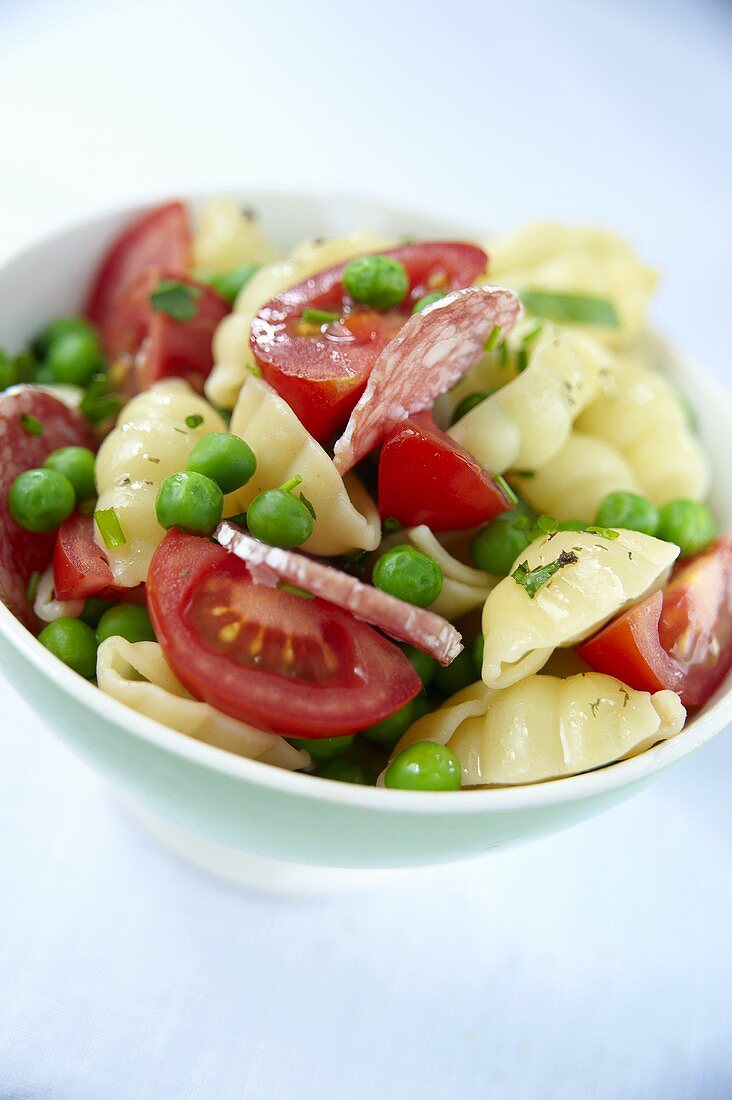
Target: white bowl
231,813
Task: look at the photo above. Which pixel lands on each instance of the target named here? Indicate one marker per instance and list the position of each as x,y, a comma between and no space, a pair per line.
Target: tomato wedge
160,238
146,344
426,477
321,370
680,638
80,568
296,666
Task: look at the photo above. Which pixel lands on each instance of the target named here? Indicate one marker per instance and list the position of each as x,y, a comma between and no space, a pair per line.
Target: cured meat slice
32,424
270,564
432,352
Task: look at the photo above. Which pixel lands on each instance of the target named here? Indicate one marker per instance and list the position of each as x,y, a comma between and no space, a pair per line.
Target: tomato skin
80,568
426,477
160,237
146,345
679,638
322,375
302,668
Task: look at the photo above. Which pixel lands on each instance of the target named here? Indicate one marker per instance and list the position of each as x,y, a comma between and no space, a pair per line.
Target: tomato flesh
300,667
160,238
321,370
680,638
80,568
426,477
146,344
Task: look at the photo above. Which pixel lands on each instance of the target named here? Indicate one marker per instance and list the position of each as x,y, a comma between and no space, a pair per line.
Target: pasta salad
400,511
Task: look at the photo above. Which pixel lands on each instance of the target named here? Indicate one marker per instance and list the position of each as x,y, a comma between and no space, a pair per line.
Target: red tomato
680,638
321,371
146,344
295,666
161,237
80,568
426,477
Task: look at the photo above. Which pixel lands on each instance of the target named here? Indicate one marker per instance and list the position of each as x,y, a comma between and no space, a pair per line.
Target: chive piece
522,360
603,532
110,528
506,489
194,421
319,316
285,587
308,505
502,353
571,308
31,424
175,299
533,334
492,342
533,579
32,589
255,369
525,473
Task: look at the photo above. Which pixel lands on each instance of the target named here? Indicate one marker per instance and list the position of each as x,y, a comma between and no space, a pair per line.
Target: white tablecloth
593,965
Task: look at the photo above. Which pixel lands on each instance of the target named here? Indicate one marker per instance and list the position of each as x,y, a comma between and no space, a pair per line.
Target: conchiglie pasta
150,441
227,236
602,577
580,260
138,675
573,484
528,421
345,516
639,412
231,348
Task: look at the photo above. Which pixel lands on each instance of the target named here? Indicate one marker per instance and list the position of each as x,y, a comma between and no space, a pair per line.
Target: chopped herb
32,589
180,431
392,524
240,519
319,316
502,353
110,528
31,425
533,579
571,308
603,532
230,283
626,700
194,421
525,473
308,505
545,525
522,360
151,459
495,335
97,403
532,335
594,707
255,369
176,299
285,587
506,489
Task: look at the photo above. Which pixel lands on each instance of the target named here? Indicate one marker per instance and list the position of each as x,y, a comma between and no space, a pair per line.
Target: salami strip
21,552
269,565
432,352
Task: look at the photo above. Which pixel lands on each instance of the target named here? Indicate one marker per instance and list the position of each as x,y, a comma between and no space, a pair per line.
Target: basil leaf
533,579
571,308
176,299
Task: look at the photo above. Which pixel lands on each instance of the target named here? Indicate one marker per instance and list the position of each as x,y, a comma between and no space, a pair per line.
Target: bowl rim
479,800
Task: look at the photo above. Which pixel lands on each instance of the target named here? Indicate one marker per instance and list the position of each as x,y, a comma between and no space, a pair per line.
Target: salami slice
432,352
269,565
21,552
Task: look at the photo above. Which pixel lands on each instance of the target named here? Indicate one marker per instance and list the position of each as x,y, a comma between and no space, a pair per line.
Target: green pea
127,621
25,365
230,283
41,500
191,502
476,651
74,358
687,523
390,729
378,281
629,512
77,464
9,374
424,766
43,376
62,326
470,402
424,665
496,547
572,525
346,771
226,459
428,300
409,575
457,675
279,518
94,608
74,643
323,748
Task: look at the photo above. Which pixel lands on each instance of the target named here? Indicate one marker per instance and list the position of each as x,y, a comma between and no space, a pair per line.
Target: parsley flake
571,308
603,533
533,579
495,335
175,299
308,505
31,424
594,707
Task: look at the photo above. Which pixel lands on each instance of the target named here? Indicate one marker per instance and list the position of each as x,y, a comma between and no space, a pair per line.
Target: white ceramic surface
247,806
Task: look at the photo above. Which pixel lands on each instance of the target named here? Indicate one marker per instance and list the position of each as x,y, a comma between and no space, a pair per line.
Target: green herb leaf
603,532
255,369
532,335
194,421
522,360
308,505
285,587
571,308
545,525
319,316
176,299
392,524
495,335
524,473
110,528
506,489
31,424
533,579
32,590
594,707
229,284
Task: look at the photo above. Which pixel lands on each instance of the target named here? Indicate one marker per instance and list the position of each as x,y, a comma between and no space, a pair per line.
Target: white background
593,965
